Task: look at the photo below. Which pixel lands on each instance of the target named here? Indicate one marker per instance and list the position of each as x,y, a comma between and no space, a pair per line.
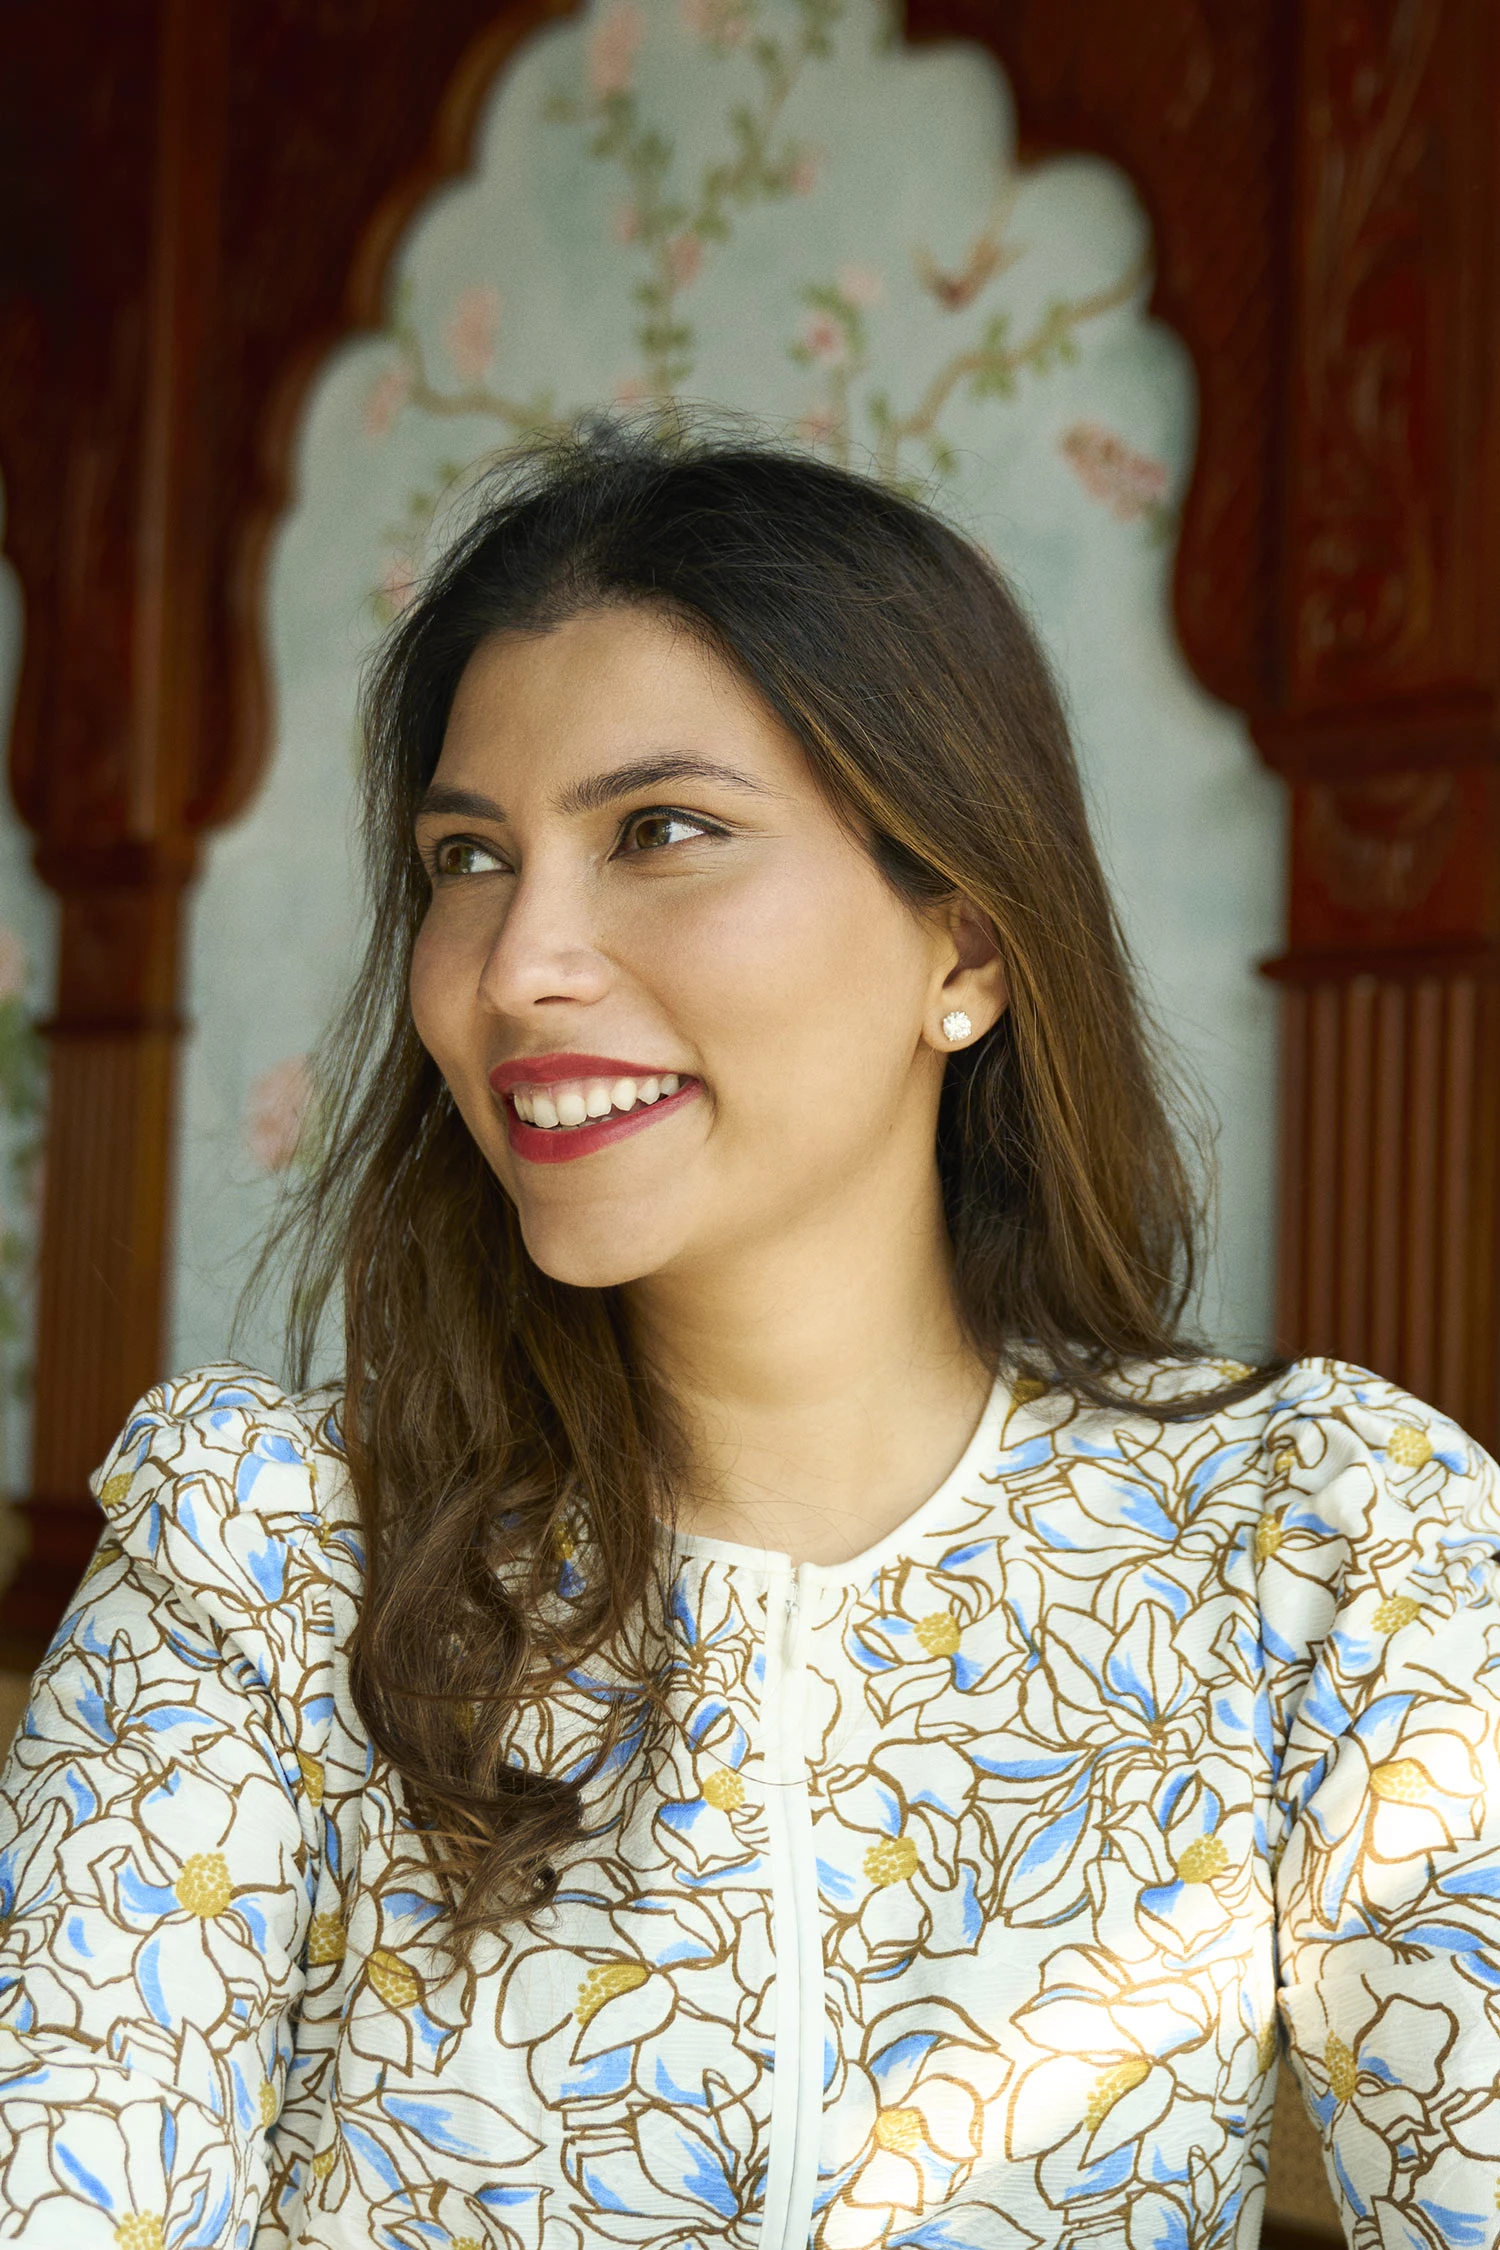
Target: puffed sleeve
160,1837
1377,1559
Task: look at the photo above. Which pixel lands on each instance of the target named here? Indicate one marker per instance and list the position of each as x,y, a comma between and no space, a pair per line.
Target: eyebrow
599,789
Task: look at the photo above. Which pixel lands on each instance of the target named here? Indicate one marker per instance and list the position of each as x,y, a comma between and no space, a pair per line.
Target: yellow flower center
1202,1860
1113,2086
1285,1462
112,1497
1343,2073
1269,1533
203,1887
393,1980
892,1860
1395,1611
1026,1388
1400,1781
140,2231
326,1940
607,1982
723,1789
899,2130
940,1633
1410,1446
312,1777
322,2163
269,2106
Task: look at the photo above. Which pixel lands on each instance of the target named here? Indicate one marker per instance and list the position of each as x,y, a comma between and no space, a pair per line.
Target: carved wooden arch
1322,183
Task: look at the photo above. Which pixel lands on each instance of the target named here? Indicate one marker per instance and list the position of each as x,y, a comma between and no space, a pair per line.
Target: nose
545,949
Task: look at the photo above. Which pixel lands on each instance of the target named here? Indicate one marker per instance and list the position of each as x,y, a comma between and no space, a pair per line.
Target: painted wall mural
28,944
776,207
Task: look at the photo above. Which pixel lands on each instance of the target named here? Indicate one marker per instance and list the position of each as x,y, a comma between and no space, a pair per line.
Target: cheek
810,972
433,988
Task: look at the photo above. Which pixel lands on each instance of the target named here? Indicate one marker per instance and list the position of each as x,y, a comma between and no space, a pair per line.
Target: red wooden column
204,196
1385,712
110,533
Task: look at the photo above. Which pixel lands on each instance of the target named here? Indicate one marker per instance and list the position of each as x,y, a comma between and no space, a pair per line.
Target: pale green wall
881,240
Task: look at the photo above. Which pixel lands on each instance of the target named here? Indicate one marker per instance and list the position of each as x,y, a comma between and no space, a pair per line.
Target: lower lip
559,1144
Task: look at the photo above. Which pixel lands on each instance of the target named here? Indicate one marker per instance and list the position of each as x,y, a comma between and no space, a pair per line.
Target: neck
823,1378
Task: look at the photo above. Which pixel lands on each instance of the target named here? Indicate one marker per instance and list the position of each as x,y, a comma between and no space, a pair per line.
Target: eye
461,855
655,822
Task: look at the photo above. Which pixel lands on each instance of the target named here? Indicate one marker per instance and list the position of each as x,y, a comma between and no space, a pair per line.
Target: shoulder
1328,1406
221,1476
1355,1483
1325,1429
1354,1457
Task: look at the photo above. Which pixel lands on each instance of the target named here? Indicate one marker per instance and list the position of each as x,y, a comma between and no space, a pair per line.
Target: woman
780,1701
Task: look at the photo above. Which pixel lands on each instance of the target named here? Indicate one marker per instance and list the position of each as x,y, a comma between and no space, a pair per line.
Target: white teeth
581,1101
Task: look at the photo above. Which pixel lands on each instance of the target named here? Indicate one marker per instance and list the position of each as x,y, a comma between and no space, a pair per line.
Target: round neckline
774,1562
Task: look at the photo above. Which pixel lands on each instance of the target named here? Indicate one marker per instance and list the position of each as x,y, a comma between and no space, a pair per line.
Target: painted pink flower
824,339
613,49
1129,484
276,1113
398,583
817,426
684,259
13,965
627,222
861,285
803,177
384,401
471,330
720,22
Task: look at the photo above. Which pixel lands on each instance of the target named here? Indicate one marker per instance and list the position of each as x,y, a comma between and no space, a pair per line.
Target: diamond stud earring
957,1025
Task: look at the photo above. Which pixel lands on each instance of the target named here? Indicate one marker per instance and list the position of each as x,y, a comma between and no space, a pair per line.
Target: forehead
603,688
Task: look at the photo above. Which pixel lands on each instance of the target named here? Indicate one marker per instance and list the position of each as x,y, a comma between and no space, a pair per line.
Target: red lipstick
553,1069
558,1144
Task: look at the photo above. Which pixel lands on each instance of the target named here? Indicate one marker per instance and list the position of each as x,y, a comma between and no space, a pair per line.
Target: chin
588,1259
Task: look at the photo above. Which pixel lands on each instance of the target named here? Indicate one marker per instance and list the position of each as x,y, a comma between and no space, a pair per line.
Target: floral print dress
963,1905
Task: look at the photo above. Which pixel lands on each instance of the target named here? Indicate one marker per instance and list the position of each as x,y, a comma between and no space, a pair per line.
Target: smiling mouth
572,1104
652,1099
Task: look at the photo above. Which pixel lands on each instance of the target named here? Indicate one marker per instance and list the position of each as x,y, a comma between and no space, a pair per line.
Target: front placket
801,2003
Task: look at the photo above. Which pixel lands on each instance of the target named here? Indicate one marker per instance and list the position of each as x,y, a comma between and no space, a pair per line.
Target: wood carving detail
1373,467
1379,846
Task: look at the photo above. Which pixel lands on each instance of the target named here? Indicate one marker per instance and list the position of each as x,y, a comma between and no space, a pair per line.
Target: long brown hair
495,1418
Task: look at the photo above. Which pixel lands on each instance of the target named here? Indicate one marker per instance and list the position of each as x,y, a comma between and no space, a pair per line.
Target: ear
972,979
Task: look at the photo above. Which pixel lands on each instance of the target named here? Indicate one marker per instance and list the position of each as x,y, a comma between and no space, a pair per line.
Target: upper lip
556,1069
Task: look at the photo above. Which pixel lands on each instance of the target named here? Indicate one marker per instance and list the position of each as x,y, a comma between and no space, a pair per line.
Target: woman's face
635,877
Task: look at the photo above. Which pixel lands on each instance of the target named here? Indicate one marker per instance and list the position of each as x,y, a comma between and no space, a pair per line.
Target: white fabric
954,1911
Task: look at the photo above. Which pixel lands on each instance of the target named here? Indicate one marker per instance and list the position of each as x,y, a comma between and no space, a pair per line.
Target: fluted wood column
1391,1114
1384,710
